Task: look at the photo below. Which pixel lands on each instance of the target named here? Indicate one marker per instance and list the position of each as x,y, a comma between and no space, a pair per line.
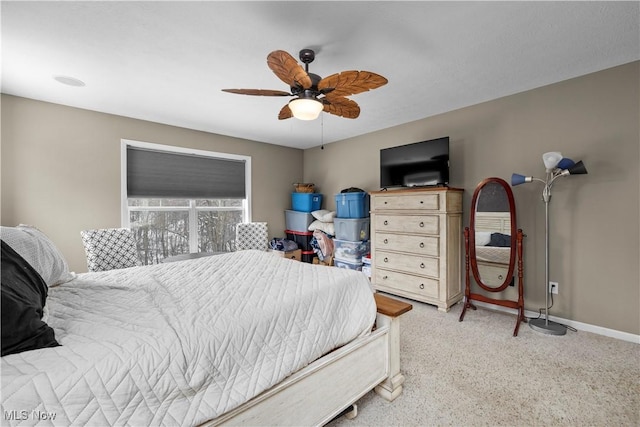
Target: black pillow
501,240
23,295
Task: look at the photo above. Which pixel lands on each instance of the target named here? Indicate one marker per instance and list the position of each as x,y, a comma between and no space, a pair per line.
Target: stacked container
352,229
298,219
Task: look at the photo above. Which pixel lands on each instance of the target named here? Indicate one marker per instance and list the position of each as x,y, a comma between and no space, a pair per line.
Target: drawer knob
384,277
386,241
385,202
386,222
422,265
421,202
386,259
422,244
500,276
421,224
421,285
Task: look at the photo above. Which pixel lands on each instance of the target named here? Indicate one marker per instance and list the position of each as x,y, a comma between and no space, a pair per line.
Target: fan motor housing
307,56
315,79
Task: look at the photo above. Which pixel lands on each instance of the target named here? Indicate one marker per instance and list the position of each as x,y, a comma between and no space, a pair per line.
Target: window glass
234,203
160,234
217,230
157,202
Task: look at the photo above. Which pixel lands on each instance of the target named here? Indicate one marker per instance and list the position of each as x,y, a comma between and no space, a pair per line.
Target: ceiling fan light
305,108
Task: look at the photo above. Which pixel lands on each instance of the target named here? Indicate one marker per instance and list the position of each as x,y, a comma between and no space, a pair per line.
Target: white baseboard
625,336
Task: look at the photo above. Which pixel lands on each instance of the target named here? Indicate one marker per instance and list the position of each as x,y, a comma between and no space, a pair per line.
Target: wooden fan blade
341,106
288,70
258,92
285,113
351,82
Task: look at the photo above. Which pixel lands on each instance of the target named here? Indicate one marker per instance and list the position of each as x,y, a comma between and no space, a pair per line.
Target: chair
252,235
110,248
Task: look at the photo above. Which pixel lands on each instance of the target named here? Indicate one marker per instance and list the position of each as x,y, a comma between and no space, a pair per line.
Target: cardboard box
327,261
297,254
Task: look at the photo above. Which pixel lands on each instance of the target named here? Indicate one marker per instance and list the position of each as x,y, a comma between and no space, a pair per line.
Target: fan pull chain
322,132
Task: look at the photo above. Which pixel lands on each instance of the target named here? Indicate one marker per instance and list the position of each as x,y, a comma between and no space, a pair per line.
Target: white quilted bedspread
181,343
495,254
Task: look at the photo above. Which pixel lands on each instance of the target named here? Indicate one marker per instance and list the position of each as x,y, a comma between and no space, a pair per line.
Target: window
179,200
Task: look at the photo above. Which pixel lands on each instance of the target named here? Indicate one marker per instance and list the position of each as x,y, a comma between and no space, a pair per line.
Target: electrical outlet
553,287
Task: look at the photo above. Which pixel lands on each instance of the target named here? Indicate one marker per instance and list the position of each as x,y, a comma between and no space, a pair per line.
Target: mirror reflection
492,234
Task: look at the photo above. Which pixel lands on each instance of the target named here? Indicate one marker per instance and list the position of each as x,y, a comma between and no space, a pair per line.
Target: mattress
182,343
495,254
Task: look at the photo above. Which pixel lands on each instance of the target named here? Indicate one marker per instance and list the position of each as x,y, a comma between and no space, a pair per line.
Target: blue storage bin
352,205
306,202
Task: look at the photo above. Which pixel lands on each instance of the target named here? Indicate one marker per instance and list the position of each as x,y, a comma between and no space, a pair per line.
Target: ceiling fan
312,93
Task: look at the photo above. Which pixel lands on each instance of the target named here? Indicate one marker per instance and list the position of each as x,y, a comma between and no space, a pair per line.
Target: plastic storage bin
306,202
366,265
351,228
351,265
352,205
297,221
350,251
366,269
302,238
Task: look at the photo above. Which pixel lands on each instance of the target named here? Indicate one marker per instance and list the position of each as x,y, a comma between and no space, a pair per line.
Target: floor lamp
556,167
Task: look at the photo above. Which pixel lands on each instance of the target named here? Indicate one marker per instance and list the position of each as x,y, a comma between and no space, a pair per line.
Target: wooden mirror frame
471,262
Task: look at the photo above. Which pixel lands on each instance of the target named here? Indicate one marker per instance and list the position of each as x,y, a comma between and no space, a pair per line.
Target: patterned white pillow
39,251
252,235
109,249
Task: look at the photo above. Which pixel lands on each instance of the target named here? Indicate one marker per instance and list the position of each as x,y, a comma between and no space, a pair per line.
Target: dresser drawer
407,202
419,245
423,224
406,282
407,263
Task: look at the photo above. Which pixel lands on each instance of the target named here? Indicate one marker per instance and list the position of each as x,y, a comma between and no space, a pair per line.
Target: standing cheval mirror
493,247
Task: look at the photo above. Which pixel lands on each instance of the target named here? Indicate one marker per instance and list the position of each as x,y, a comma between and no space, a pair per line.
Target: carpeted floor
475,373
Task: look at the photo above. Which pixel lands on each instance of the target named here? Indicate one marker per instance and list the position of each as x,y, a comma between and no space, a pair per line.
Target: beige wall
61,172
61,169
594,218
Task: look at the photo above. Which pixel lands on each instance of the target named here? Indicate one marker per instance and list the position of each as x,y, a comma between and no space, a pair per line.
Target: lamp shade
565,163
517,179
578,169
551,159
305,108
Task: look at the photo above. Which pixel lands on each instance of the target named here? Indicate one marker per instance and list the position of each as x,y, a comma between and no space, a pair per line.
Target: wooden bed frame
325,388
497,222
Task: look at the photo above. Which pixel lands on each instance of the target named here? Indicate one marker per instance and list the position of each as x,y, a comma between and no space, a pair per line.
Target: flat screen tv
421,164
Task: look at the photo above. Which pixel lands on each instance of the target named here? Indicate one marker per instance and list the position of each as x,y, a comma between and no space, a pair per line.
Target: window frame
192,208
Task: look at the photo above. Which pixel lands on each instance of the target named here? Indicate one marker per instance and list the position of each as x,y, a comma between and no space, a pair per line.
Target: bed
239,338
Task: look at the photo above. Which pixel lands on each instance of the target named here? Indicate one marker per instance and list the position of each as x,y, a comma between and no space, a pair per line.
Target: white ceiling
167,61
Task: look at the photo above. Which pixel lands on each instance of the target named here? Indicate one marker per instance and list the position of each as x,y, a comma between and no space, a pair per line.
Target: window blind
163,174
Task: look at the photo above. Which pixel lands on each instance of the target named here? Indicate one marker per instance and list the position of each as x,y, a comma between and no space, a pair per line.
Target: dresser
416,244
